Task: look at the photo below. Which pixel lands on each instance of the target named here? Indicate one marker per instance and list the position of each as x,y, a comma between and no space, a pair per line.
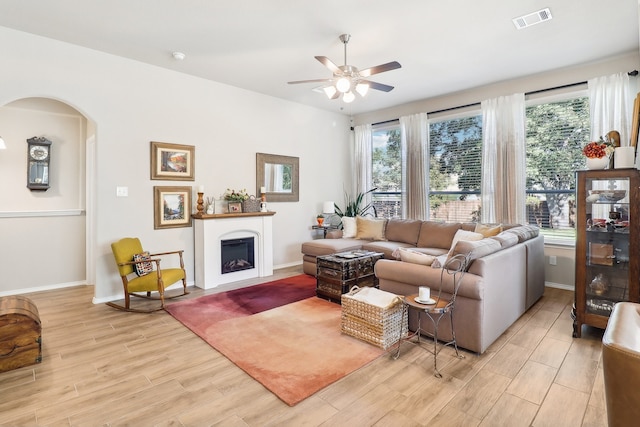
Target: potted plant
320,219
354,206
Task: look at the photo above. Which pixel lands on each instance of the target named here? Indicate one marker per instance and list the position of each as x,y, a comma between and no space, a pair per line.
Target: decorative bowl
609,195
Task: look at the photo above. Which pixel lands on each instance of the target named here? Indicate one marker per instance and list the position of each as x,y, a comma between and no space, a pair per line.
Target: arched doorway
49,234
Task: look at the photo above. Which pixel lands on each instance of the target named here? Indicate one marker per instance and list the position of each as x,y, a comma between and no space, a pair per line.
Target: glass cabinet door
608,220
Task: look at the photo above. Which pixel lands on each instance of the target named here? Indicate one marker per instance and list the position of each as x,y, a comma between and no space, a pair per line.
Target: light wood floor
105,367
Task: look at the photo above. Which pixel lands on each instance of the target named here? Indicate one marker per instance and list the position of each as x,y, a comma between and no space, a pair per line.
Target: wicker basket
374,316
251,205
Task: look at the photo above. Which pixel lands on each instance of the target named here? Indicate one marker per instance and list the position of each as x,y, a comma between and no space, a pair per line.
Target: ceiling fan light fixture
362,88
330,91
348,97
343,84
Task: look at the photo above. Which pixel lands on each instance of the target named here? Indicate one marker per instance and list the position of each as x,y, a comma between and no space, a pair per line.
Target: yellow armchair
142,276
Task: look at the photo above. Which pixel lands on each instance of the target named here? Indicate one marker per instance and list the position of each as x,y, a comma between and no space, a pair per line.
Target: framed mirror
279,176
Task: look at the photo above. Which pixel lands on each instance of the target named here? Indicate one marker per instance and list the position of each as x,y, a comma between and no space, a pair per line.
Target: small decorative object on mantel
241,201
263,199
320,219
211,205
597,154
251,204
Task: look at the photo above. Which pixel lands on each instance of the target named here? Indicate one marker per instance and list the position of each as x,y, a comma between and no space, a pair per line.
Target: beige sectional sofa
504,279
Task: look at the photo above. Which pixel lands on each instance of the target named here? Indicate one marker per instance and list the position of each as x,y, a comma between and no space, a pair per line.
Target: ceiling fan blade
380,68
309,81
329,64
378,86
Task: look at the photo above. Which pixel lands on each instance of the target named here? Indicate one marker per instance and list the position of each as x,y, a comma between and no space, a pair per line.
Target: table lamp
328,210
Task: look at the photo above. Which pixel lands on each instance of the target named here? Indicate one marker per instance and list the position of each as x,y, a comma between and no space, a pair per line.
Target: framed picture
173,162
235,207
171,207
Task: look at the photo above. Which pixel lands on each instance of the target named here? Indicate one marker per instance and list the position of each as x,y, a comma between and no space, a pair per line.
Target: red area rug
293,350
199,313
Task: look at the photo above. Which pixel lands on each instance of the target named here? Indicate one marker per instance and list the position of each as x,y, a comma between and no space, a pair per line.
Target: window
387,170
556,133
455,158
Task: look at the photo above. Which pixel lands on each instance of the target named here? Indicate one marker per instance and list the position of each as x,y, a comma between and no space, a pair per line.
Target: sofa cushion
431,251
437,234
476,249
370,228
524,232
488,230
506,239
468,226
403,230
349,228
414,257
321,247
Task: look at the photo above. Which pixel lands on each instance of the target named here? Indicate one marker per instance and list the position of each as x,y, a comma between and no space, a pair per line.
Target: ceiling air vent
532,18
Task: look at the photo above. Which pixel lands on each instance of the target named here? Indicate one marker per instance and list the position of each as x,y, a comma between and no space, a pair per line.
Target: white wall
131,104
535,82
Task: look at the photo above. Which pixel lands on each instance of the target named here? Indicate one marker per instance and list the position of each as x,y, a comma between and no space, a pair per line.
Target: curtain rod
633,73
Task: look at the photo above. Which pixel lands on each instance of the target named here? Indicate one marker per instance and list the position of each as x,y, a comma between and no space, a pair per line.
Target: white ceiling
444,46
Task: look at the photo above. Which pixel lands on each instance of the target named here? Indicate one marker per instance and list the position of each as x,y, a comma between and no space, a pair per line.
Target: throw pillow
143,268
414,257
464,235
488,230
349,228
370,229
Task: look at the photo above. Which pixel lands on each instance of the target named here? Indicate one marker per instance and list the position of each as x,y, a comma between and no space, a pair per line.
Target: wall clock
38,157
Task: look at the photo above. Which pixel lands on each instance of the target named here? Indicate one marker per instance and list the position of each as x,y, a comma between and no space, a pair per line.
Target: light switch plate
122,191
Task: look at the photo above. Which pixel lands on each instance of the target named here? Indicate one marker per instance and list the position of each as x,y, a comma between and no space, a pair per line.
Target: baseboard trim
42,288
560,286
287,265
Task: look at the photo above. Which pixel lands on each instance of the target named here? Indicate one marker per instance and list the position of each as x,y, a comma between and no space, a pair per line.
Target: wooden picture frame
235,207
172,162
171,207
279,175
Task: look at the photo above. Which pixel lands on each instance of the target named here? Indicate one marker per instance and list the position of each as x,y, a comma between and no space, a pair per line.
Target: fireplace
237,255
211,231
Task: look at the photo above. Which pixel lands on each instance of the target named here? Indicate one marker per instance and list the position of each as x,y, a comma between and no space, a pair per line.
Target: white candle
201,189
424,294
263,190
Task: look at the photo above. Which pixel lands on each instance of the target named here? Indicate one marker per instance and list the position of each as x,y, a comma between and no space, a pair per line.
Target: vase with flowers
598,154
235,199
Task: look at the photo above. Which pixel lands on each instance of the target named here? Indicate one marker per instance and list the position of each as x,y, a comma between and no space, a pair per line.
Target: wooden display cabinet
607,244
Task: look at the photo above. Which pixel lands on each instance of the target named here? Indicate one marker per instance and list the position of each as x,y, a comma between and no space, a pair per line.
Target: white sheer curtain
415,143
503,160
362,161
611,105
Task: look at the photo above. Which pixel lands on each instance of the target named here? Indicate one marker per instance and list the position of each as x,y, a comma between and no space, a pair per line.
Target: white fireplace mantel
210,230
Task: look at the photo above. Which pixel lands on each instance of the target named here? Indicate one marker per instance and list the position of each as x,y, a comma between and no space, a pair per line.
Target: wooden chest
20,333
338,273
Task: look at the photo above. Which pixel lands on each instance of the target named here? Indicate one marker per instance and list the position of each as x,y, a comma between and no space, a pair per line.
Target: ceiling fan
347,78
